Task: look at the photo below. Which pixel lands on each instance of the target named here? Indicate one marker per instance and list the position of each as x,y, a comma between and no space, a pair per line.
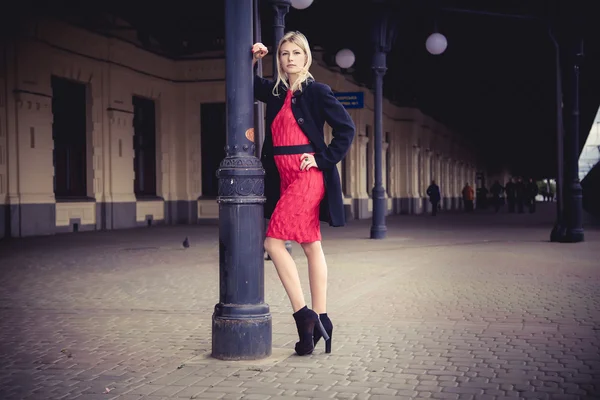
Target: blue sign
351,99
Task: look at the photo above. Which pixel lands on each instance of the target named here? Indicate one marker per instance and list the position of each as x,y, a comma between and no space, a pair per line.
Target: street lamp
301,4
436,43
345,58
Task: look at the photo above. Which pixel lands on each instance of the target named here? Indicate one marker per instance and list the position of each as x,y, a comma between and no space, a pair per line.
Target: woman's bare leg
287,271
317,274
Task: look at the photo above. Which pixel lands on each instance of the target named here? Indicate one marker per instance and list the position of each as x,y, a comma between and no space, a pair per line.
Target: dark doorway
69,131
144,146
212,141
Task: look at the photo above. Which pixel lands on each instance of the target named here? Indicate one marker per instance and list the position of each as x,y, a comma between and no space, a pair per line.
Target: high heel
325,331
306,320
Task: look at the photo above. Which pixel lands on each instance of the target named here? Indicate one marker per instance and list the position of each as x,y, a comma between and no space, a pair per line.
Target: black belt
287,150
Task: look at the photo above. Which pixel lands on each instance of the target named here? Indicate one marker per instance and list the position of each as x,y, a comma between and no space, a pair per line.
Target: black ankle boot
306,319
328,326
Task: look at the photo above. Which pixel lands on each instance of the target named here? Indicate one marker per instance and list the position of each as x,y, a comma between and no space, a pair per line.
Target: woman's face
291,58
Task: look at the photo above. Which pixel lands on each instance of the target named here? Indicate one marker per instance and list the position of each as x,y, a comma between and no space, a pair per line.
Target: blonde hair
299,40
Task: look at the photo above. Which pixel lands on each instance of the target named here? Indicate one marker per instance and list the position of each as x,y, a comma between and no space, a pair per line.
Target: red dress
296,215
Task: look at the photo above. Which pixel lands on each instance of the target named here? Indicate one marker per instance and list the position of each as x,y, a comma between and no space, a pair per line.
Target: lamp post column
259,114
281,8
558,231
378,228
241,323
383,37
574,197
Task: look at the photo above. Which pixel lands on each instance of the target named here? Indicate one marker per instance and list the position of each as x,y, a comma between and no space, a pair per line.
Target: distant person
468,196
433,191
496,191
511,195
482,194
521,195
531,193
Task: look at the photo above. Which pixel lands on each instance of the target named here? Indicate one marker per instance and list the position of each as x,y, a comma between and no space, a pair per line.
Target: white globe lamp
344,58
301,4
436,43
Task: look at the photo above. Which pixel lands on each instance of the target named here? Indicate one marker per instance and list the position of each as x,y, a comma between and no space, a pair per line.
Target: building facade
97,133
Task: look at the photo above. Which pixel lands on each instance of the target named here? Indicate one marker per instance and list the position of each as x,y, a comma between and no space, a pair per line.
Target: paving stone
190,392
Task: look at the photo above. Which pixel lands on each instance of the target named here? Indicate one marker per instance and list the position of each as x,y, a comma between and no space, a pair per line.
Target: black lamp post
558,231
573,209
241,324
568,227
259,114
383,37
281,8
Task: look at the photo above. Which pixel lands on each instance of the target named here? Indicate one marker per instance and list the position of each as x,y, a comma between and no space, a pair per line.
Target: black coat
312,107
433,191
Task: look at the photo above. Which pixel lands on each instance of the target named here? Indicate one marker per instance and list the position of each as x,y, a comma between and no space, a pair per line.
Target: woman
302,184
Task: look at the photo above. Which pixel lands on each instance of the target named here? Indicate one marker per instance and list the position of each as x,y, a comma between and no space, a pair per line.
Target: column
241,322
119,210
4,205
414,180
361,202
32,145
460,182
447,190
403,172
385,169
378,226
453,184
426,181
573,194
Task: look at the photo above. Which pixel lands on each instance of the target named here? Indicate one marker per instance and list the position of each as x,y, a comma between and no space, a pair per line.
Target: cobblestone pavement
476,306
